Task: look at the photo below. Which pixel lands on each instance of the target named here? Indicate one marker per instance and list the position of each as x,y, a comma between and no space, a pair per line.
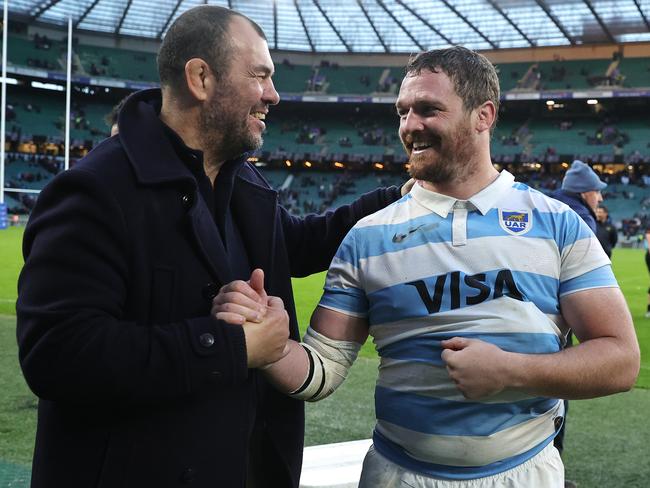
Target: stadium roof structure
372,26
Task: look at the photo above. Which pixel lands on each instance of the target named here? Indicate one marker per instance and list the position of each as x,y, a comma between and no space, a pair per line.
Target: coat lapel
208,240
254,209
154,162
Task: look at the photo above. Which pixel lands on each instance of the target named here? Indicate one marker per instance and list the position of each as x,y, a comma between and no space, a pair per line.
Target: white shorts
545,470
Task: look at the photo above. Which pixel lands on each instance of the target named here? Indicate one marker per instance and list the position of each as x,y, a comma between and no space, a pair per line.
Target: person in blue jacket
581,191
139,384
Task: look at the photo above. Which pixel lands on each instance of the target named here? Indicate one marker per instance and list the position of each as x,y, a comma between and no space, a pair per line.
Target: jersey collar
482,201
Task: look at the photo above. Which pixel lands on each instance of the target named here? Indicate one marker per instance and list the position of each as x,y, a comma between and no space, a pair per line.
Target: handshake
263,318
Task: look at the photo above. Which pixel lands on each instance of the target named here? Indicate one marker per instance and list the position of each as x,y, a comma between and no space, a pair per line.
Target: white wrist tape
329,362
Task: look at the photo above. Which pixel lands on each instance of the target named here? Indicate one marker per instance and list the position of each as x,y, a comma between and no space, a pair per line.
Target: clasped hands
263,318
478,368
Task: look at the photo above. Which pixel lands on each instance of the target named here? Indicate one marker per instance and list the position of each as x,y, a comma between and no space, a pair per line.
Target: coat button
188,476
206,340
210,291
187,200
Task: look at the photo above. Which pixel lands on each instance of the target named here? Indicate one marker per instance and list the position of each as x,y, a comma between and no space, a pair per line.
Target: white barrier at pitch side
333,465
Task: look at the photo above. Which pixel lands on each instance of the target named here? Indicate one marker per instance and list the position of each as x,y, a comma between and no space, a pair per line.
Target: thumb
455,343
446,355
257,283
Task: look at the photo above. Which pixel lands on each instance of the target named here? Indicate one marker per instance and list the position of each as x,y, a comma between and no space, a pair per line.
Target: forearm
290,372
598,367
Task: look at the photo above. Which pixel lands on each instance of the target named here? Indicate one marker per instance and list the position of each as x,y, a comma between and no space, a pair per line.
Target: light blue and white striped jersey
430,267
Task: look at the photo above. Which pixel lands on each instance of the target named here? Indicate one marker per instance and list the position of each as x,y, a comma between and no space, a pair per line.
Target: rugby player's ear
486,113
197,74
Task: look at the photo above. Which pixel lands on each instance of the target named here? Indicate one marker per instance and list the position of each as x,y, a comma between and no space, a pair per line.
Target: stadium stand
330,77
357,136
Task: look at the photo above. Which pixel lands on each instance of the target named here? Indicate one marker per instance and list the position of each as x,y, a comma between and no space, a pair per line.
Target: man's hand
406,187
478,368
241,301
266,342
263,318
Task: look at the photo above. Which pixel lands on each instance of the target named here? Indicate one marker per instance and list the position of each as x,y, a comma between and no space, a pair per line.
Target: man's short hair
200,32
474,77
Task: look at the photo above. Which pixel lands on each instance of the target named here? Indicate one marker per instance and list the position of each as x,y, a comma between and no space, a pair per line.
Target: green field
607,438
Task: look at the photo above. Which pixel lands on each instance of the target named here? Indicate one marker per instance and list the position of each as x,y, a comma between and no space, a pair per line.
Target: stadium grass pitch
606,437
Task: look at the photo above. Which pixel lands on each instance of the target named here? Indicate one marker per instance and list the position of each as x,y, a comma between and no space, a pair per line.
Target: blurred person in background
605,230
581,191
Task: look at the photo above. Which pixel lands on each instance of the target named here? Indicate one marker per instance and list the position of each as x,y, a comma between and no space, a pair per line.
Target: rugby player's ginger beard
454,160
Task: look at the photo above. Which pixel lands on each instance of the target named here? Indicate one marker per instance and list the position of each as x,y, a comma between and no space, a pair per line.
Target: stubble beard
225,134
451,162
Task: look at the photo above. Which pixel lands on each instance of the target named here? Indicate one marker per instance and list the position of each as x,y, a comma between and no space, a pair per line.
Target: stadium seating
23,52
636,72
339,80
118,63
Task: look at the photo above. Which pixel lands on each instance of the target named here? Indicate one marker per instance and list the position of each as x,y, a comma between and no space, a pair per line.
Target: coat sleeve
313,240
77,342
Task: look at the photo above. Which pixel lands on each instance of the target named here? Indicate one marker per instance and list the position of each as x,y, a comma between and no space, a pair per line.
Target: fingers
242,287
239,303
455,343
266,342
251,311
275,303
230,318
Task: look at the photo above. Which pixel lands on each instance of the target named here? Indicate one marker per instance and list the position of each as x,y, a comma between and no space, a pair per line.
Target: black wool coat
138,386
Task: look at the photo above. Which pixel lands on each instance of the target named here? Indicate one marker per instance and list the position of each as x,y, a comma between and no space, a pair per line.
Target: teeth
259,115
420,145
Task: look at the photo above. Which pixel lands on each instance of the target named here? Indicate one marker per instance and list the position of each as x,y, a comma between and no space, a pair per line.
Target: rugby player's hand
267,341
478,368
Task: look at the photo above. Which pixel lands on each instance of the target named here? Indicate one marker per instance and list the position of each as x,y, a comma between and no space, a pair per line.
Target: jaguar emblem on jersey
515,222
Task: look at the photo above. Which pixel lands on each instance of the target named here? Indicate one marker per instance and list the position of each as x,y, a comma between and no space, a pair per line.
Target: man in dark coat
139,385
605,230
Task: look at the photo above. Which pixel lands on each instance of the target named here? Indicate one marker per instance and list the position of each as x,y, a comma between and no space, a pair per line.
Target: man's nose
271,96
411,122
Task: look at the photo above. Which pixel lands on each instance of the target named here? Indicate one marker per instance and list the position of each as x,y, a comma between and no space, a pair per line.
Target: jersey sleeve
584,264
344,290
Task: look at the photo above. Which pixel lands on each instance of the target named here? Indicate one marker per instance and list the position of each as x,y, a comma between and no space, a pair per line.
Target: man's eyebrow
264,69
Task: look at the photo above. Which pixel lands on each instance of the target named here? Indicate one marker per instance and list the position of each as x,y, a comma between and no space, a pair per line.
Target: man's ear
487,114
197,74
